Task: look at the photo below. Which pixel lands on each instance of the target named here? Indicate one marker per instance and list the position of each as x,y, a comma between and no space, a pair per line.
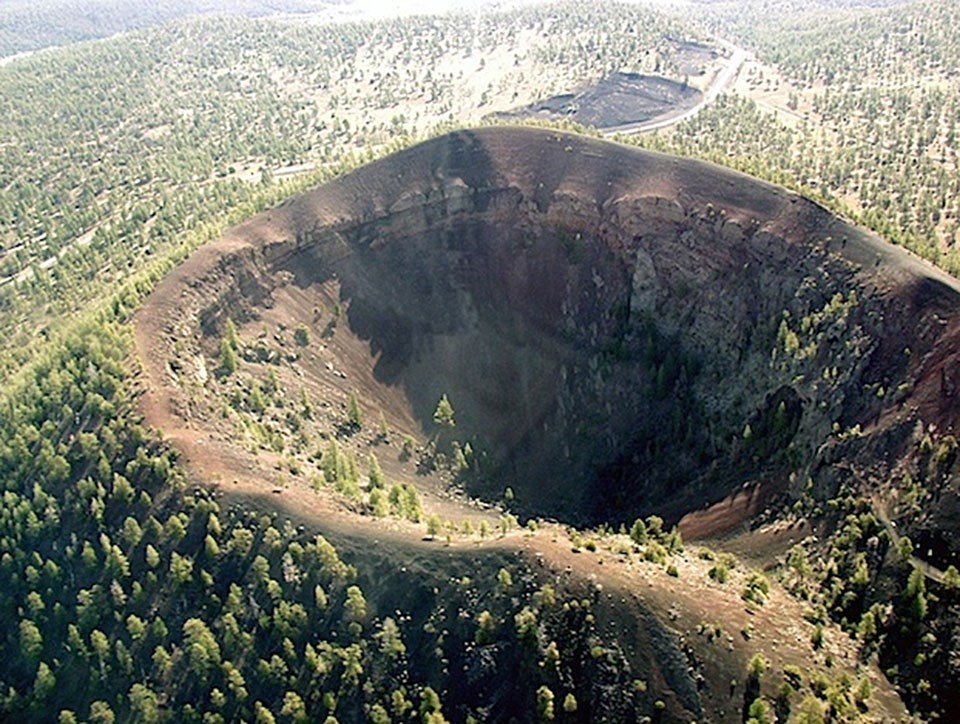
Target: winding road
724,78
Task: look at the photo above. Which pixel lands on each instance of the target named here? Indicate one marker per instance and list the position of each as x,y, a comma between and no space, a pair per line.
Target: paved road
720,83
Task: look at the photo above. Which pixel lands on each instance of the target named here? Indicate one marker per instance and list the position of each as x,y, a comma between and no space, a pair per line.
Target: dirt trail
930,571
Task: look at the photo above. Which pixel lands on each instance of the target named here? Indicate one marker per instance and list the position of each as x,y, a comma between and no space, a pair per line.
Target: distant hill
26,26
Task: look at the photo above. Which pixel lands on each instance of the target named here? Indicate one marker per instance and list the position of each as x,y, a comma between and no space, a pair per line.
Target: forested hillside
859,107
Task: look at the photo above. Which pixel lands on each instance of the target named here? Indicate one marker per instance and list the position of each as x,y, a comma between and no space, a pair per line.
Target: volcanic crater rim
620,332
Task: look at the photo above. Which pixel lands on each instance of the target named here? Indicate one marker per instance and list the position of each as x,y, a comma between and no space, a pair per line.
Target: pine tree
301,335
353,412
228,358
376,474
638,532
230,335
443,415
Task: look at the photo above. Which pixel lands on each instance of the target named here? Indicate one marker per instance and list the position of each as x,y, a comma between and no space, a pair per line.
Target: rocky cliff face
619,332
